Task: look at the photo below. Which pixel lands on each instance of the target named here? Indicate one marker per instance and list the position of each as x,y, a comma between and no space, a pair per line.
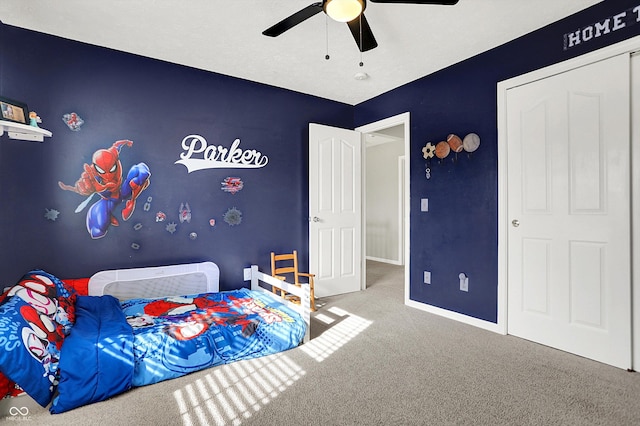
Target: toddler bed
137,327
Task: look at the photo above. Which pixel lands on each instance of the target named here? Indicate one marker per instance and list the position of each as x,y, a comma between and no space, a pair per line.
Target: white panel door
335,209
569,270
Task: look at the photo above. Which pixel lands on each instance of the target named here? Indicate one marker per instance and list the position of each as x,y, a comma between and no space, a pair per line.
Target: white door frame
627,46
635,208
377,126
402,190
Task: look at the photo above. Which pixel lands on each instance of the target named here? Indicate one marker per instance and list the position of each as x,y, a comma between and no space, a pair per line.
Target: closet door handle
515,223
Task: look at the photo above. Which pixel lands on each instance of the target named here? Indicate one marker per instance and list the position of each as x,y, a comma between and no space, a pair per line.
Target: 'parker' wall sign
199,155
610,24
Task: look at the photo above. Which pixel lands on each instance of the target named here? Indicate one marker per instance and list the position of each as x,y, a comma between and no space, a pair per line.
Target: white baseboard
486,325
378,259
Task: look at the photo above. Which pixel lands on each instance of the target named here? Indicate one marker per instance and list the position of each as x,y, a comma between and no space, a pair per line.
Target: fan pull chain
326,27
360,22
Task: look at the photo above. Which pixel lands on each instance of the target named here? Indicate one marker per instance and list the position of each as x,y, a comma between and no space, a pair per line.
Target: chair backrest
285,265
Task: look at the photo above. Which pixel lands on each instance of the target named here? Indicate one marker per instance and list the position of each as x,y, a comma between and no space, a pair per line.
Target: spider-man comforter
114,346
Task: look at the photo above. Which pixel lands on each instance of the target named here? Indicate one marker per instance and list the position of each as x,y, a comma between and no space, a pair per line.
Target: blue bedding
96,360
115,346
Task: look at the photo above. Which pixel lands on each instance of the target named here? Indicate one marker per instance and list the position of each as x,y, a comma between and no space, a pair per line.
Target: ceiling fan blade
368,40
440,2
293,20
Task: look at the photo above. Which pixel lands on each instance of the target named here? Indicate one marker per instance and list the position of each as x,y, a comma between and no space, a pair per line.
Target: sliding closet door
569,238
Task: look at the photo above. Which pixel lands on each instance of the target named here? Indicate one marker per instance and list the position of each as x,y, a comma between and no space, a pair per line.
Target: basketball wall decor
442,150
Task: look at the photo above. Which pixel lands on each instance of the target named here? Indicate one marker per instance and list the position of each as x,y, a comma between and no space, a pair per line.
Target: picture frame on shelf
15,111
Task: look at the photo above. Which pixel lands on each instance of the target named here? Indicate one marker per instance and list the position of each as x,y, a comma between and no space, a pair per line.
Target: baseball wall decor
471,142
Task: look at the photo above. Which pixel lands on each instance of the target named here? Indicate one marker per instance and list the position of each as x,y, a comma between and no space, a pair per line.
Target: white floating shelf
23,132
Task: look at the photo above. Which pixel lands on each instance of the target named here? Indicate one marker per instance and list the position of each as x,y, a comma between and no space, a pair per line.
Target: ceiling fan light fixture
344,10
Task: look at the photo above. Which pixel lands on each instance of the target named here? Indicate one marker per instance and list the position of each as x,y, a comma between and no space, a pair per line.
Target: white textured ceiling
225,36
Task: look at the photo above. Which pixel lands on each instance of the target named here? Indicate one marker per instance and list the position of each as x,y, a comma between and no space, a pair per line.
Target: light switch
427,277
424,205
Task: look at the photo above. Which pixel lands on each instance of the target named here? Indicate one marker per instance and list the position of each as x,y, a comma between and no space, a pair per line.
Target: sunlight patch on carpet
338,335
232,393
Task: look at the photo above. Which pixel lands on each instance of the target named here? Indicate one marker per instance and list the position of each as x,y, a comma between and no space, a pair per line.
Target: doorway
386,229
383,193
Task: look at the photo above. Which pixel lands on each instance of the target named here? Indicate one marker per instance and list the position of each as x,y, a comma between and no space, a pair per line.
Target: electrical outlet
464,282
424,205
427,277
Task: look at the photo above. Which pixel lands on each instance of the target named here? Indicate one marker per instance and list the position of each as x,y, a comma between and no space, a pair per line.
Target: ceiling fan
349,11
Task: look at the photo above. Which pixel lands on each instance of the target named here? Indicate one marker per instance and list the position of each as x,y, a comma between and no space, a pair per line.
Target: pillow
8,389
31,347
39,288
35,316
80,285
6,386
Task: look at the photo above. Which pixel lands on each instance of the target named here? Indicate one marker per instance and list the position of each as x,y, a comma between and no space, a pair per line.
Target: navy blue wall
459,233
154,104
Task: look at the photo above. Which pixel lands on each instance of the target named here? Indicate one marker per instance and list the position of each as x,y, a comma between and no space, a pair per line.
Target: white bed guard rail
256,277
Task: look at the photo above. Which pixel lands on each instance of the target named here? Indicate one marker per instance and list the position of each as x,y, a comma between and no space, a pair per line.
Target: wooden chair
285,267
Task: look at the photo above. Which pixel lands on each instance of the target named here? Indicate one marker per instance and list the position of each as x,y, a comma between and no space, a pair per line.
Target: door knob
515,223
316,219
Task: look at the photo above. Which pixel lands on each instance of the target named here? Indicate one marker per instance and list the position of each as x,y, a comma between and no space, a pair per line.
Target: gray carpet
374,361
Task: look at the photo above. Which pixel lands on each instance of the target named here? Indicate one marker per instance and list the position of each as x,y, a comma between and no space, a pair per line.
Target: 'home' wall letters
607,25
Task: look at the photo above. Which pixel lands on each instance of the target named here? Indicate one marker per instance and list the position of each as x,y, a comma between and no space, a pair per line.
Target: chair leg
313,297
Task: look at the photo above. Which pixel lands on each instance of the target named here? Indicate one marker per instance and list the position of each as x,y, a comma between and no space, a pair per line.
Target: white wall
383,227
